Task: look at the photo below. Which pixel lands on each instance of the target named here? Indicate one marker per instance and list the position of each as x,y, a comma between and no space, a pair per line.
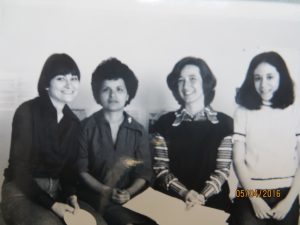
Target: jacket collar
206,114
49,109
128,122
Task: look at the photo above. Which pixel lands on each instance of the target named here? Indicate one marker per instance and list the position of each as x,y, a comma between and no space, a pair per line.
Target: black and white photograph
149,112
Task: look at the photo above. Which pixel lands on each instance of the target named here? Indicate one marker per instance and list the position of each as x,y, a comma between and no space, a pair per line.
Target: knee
46,220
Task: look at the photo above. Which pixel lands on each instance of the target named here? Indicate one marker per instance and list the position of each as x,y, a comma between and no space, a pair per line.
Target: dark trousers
114,214
243,212
18,209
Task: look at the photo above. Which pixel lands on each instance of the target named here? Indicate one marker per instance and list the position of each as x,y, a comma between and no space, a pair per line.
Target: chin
68,100
115,109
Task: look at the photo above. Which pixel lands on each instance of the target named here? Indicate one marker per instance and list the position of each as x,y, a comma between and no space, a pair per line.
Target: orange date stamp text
257,193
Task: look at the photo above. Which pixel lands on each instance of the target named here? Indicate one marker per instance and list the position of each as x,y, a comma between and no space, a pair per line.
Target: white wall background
149,36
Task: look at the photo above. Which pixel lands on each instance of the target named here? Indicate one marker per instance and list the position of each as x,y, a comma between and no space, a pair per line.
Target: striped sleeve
163,176
221,173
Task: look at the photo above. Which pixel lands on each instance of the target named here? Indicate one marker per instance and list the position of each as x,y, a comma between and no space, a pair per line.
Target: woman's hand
281,209
192,198
261,208
61,208
72,200
120,196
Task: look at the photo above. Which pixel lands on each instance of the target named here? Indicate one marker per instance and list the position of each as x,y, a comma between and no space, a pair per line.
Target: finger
115,198
280,216
269,213
259,216
69,209
189,205
76,206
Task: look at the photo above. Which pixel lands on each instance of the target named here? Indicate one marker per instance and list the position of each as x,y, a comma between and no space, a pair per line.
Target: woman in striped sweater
192,146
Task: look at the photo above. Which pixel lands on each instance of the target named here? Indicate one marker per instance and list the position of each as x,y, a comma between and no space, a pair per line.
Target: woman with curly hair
115,161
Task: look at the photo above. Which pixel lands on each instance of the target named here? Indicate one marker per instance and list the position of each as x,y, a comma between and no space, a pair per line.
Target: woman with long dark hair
267,145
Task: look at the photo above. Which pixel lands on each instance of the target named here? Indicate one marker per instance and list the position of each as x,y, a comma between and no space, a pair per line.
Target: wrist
104,189
72,197
53,206
130,192
202,198
289,199
183,193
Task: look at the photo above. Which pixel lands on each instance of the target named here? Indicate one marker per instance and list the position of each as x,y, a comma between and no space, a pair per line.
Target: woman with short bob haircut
115,162
39,185
192,146
266,148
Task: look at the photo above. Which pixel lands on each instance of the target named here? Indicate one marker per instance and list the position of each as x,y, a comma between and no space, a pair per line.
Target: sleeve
83,155
20,154
164,178
297,117
221,173
239,131
143,169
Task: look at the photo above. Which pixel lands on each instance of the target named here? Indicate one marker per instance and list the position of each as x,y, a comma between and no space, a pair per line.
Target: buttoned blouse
116,164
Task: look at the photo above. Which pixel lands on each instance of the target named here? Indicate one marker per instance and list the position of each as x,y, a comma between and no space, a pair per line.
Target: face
190,85
63,88
113,95
266,80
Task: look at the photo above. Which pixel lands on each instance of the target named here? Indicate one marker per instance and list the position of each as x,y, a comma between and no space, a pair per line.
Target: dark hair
247,95
208,79
113,69
56,64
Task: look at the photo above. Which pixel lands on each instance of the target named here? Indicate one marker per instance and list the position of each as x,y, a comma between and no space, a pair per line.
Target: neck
266,102
59,107
194,108
114,117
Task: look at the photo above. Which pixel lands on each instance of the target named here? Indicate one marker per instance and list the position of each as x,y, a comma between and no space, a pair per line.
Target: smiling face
266,80
190,85
113,95
63,88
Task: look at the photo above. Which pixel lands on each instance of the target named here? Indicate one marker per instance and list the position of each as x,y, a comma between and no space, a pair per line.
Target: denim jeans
19,209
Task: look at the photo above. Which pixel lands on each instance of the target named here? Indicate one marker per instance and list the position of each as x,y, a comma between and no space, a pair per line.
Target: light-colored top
270,137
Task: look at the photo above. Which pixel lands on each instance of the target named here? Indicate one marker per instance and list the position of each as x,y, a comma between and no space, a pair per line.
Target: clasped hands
193,198
263,211
60,208
120,196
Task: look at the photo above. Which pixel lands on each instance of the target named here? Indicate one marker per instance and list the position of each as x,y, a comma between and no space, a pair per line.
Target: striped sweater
186,157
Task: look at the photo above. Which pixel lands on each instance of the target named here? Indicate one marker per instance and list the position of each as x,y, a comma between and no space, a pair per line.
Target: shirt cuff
238,137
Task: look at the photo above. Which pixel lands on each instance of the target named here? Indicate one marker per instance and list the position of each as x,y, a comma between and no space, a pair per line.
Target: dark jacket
41,148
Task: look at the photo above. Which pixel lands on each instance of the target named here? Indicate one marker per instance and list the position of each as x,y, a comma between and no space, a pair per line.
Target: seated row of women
58,164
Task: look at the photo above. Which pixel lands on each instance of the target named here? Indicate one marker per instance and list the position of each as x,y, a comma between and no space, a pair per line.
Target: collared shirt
206,114
119,164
